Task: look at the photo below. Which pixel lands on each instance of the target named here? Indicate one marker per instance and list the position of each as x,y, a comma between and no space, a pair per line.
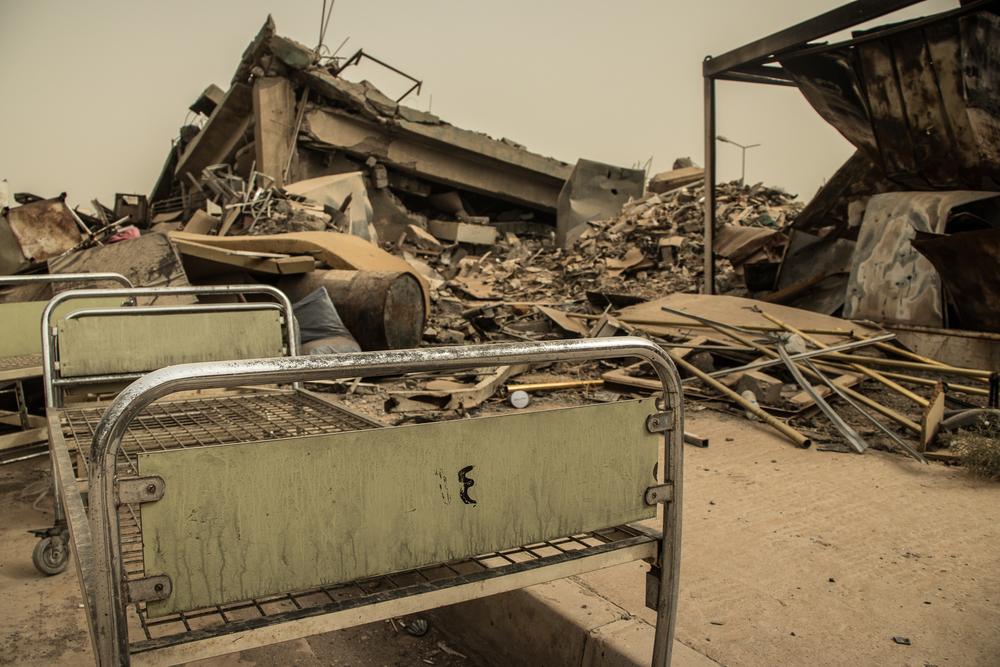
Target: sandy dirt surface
791,557
804,557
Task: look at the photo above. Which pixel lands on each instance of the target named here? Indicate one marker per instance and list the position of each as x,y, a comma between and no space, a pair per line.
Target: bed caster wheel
418,627
50,555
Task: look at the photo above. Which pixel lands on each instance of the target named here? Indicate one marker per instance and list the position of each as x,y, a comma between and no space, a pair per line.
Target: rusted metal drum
382,310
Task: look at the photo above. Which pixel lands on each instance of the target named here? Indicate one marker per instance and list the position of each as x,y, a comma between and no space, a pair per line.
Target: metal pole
708,280
743,165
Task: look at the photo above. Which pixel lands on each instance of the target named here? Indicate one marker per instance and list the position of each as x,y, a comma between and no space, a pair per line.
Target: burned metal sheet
922,104
855,181
967,265
42,229
890,281
822,263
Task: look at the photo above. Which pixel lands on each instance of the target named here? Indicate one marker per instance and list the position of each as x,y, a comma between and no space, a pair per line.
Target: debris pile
408,230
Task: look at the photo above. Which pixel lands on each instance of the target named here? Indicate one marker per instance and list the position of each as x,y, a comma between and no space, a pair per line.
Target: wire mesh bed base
205,624
26,362
216,420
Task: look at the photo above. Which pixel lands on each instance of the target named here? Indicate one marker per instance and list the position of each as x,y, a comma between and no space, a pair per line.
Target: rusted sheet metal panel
148,261
43,229
922,104
890,281
967,265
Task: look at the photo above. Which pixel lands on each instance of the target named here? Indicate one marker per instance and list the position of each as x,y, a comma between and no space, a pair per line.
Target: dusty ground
791,557
804,557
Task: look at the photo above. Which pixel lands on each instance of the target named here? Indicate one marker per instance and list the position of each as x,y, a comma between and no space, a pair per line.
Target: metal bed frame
16,369
51,554
121,588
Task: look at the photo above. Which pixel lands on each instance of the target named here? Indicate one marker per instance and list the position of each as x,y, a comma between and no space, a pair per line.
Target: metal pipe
54,399
837,390
775,423
697,325
731,332
914,365
926,382
111,632
878,377
172,310
66,278
801,355
853,438
708,286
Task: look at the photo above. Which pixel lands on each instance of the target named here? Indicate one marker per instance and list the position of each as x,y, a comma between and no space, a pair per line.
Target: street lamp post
743,166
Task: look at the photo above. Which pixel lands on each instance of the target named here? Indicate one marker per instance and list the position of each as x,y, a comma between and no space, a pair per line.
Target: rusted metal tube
878,377
775,423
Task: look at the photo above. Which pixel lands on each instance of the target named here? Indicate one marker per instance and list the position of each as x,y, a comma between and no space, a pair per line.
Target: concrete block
766,388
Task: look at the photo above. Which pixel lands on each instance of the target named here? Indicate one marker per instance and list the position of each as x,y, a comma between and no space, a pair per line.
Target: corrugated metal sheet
890,281
922,104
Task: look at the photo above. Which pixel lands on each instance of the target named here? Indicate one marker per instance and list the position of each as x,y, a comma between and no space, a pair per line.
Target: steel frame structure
754,63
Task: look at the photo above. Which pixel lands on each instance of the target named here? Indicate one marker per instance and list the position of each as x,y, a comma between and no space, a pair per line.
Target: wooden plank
22,438
129,344
251,519
274,264
931,422
274,123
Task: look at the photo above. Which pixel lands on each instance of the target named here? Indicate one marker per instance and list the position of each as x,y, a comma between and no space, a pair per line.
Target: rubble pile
420,232
652,248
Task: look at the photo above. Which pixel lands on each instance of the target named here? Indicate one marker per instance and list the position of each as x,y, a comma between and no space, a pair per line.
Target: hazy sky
95,91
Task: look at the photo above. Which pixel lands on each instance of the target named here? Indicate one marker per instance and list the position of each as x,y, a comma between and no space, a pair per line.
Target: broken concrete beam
274,125
210,98
594,191
462,232
218,138
382,310
201,223
676,178
446,155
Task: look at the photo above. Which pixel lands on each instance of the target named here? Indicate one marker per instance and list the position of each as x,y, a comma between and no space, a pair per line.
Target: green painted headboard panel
21,323
245,520
140,343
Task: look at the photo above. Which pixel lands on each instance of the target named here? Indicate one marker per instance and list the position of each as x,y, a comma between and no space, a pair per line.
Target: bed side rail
109,588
